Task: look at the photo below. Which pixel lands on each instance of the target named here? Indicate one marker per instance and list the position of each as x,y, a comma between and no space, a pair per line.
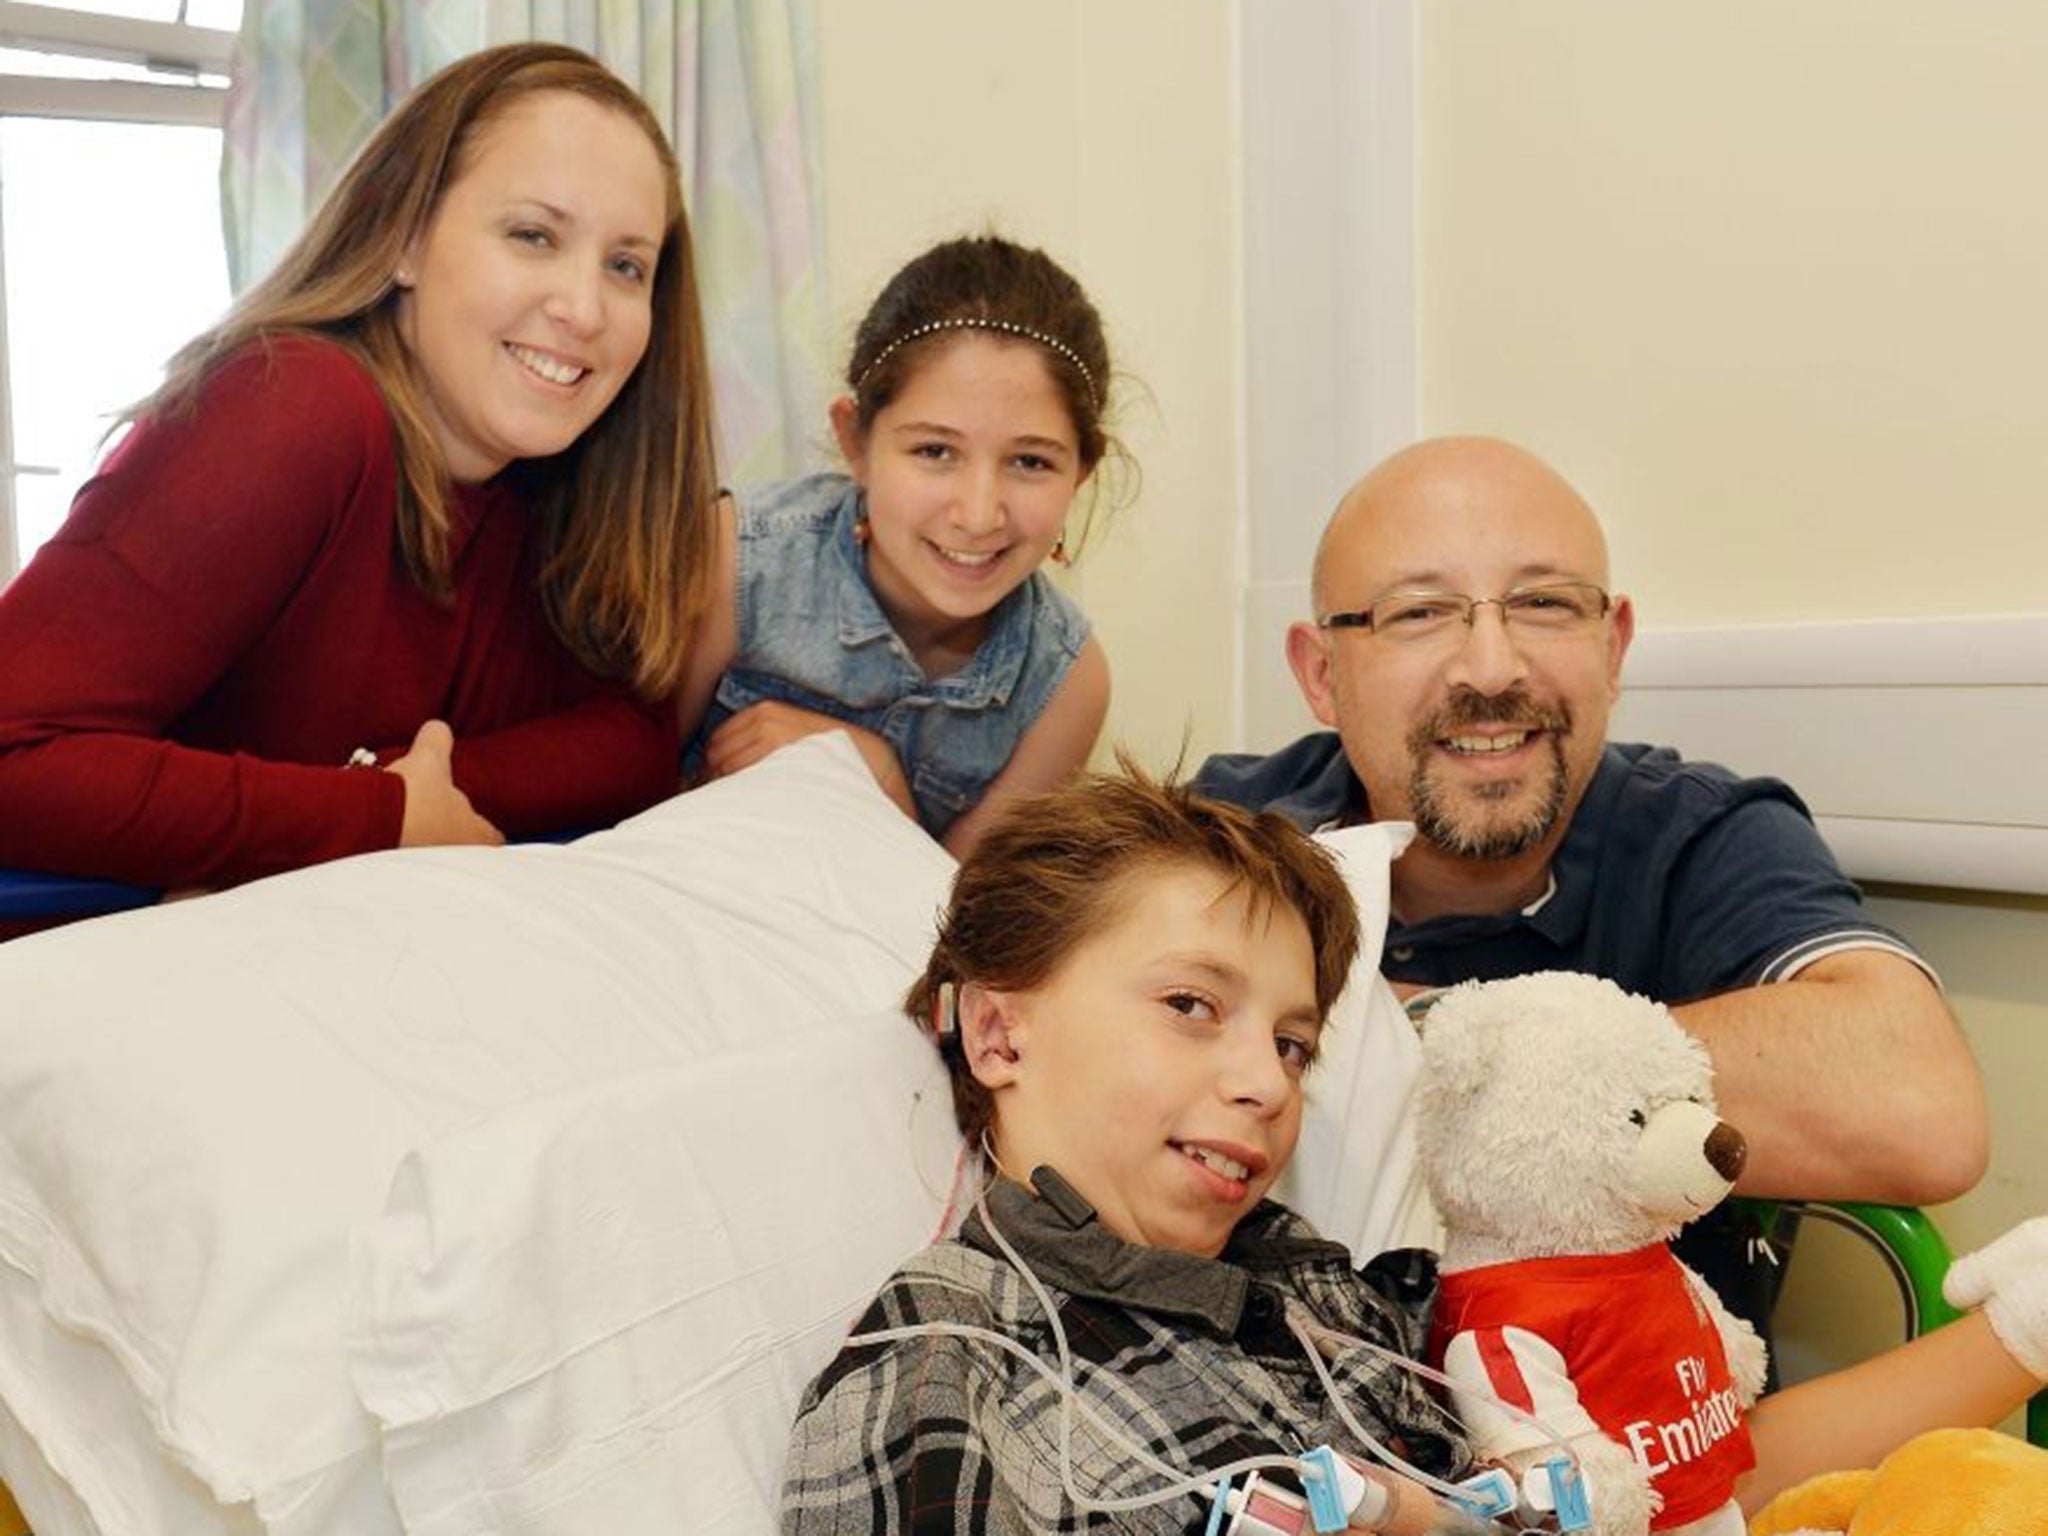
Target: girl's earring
861,532
1058,553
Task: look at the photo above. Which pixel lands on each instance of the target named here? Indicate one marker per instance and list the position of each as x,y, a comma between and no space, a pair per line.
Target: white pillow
1356,1175
197,1101
597,1313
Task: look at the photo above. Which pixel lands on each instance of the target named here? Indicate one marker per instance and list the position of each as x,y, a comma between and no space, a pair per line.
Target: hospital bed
514,1190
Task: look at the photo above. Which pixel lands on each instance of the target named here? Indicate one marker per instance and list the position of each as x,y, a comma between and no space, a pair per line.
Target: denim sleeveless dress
812,634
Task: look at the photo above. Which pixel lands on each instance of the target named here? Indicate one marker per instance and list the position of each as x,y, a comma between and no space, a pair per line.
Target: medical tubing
1365,1436
1307,1331
1183,1483
1396,1513
1179,1484
1203,1483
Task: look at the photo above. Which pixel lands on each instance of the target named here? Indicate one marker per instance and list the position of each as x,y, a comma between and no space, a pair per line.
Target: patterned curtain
733,81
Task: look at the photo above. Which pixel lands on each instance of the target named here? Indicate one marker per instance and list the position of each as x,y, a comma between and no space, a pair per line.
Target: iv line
1180,1483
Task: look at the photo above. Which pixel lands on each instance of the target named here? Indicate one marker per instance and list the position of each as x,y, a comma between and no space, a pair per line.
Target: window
111,253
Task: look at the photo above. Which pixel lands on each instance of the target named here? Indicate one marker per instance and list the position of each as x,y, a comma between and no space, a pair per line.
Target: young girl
435,497
903,602
1128,985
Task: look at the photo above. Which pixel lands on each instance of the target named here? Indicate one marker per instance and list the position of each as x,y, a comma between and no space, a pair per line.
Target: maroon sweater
223,618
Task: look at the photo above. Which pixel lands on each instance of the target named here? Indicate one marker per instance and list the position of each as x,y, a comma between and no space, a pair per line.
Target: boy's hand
2008,1278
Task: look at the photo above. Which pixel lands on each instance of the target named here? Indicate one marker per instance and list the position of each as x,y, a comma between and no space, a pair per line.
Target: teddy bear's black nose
1726,1150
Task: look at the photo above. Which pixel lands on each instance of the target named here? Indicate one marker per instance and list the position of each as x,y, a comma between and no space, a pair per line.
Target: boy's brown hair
1048,876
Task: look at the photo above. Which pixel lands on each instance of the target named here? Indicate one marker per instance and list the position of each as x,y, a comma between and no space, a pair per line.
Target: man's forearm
1850,1081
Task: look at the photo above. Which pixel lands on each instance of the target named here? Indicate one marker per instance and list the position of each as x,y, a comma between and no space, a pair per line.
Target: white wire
1364,1436
1180,1482
1070,1394
1315,1329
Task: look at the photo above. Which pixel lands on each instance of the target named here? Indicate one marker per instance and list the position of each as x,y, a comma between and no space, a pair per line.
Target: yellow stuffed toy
1948,1482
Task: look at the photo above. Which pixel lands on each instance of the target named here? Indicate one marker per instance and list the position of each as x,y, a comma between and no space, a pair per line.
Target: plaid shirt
1190,1357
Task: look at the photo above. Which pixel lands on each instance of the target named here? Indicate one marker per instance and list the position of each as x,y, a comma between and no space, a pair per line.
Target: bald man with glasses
1467,651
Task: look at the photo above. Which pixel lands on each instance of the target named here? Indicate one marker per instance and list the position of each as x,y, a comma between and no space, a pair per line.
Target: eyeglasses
1555,608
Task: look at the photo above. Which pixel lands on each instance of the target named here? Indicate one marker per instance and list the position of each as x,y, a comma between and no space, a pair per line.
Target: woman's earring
861,532
1058,553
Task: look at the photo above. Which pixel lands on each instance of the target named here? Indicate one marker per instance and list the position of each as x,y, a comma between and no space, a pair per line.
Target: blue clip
1325,1493
1568,1494
1218,1507
1490,1494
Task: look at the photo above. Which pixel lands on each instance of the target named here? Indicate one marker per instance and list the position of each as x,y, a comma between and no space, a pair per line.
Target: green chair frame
1916,1254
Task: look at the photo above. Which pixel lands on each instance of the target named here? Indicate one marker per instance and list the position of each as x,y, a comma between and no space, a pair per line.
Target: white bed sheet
1355,1172
597,1313
198,1101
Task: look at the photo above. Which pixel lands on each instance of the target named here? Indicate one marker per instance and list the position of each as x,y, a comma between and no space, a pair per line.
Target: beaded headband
976,323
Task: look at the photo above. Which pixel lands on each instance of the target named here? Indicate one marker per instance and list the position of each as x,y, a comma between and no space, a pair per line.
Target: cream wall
1770,279
1771,282
1109,143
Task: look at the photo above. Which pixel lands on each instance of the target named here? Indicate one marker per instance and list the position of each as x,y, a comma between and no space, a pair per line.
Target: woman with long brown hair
433,499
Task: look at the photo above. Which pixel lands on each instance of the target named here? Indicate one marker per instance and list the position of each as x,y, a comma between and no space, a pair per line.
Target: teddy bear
1567,1130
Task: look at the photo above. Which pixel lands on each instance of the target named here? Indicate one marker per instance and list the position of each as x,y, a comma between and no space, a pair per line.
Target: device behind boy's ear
1056,1192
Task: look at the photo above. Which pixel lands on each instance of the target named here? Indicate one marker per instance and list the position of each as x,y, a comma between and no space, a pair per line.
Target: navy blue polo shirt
1675,880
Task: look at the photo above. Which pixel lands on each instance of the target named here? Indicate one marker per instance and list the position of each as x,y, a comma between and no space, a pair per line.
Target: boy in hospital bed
1129,984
